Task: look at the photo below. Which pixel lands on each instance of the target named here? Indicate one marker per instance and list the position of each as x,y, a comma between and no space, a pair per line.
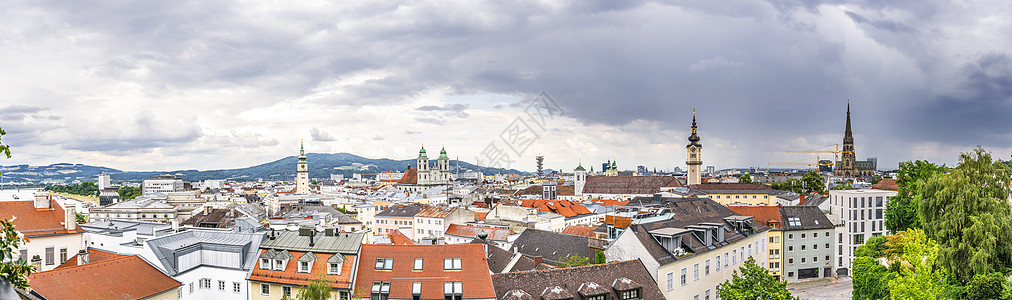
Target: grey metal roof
168,247
309,256
348,243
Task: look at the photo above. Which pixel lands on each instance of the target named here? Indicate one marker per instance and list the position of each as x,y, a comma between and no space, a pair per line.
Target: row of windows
739,196
803,247
452,290
304,266
388,264
395,222
815,259
730,258
50,257
205,283
790,236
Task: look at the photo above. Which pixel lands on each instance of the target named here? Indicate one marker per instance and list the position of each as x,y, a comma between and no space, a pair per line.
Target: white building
162,184
52,232
210,264
858,215
104,181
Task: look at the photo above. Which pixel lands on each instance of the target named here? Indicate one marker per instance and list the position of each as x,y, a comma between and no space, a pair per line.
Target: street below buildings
823,289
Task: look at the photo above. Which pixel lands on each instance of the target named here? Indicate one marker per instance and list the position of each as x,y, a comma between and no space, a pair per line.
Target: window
334,269
734,257
384,264
695,272
236,287
221,285
725,259
24,255
827,234
629,294
742,254
749,251
706,295
265,264
50,256
790,248
670,280
418,264
205,283
802,260
815,259
685,276
802,247
717,265
380,290
802,236
191,288
794,221
827,257
279,265
815,235
790,236
416,290
304,266
597,297
827,245
790,261
706,268
286,291
265,289
63,255
451,264
790,274
453,290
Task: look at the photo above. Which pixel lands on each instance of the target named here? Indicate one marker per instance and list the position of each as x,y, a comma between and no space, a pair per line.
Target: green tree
871,279
986,286
791,185
574,261
80,218
4,148
317,289
874,247
919,278
127,193
875,179
845,185
751,281
14,271
813,182
745,178
901,210
968,213
599,257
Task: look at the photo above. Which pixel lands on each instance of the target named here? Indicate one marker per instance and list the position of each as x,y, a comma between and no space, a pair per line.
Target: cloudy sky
159,85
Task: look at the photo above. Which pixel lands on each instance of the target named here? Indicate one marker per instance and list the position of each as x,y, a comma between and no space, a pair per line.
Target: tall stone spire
848,135
695,155
847,166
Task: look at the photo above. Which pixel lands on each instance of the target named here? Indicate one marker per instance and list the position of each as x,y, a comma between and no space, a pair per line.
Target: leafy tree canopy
751,281
745,178
574,260
15,271
317,289
813,182
968,213
901,210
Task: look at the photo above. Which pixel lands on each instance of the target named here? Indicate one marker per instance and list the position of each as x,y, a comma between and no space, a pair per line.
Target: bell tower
302,172
695,155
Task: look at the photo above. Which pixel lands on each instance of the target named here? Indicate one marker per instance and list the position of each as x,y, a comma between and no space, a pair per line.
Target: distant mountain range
321,166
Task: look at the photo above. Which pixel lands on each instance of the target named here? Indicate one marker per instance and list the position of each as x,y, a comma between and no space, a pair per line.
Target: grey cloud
411,132
450,110
320,135
431,121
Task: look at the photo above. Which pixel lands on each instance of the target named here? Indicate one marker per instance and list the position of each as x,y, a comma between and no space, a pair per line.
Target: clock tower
695,155
302,172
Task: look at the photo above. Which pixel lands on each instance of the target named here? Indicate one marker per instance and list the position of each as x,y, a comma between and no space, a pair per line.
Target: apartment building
289,260
858,215
52,230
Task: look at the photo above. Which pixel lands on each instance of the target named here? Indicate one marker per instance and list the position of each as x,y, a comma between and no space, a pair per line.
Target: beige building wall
744,199
277,291
705,283
774,251
171,294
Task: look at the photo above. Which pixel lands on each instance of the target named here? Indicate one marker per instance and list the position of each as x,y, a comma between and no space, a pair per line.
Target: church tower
302,172
423,167
695,154
579,179
847,166
443,163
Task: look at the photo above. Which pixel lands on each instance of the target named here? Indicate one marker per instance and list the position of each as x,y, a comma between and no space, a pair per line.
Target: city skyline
170,86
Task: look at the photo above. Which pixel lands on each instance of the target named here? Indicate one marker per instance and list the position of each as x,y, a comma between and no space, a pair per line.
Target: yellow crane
817,163
835,152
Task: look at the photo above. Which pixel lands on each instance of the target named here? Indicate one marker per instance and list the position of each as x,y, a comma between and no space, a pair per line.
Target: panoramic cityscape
505,151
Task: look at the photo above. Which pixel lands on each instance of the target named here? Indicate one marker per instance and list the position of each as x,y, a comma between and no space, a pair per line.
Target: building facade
807,243
52,232
162,184
858,215
289,260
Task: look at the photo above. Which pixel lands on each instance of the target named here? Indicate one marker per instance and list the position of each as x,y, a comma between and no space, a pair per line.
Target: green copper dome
421,153
442,153
580,168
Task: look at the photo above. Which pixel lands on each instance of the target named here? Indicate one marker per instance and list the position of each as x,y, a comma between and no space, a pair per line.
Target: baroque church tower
695,155
302,172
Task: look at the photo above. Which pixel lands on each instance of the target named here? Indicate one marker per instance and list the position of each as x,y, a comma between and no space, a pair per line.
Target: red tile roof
628,184
587,231
128,277
94,256
34,222
398,238
886,184
291,275
762,214
607,202
565,208
410,176
478,216
498,234
474,273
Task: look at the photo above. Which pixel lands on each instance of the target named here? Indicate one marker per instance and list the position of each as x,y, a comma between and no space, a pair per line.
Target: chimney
37,261
207,210
400,205
537,260
69,218
802,201
328,232
82,257
272,233
42,200
312,237
175,225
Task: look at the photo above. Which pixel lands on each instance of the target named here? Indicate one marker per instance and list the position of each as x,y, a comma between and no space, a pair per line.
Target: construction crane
800,163
835,152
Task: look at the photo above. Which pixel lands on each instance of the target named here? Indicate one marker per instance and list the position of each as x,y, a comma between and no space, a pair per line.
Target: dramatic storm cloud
204,85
